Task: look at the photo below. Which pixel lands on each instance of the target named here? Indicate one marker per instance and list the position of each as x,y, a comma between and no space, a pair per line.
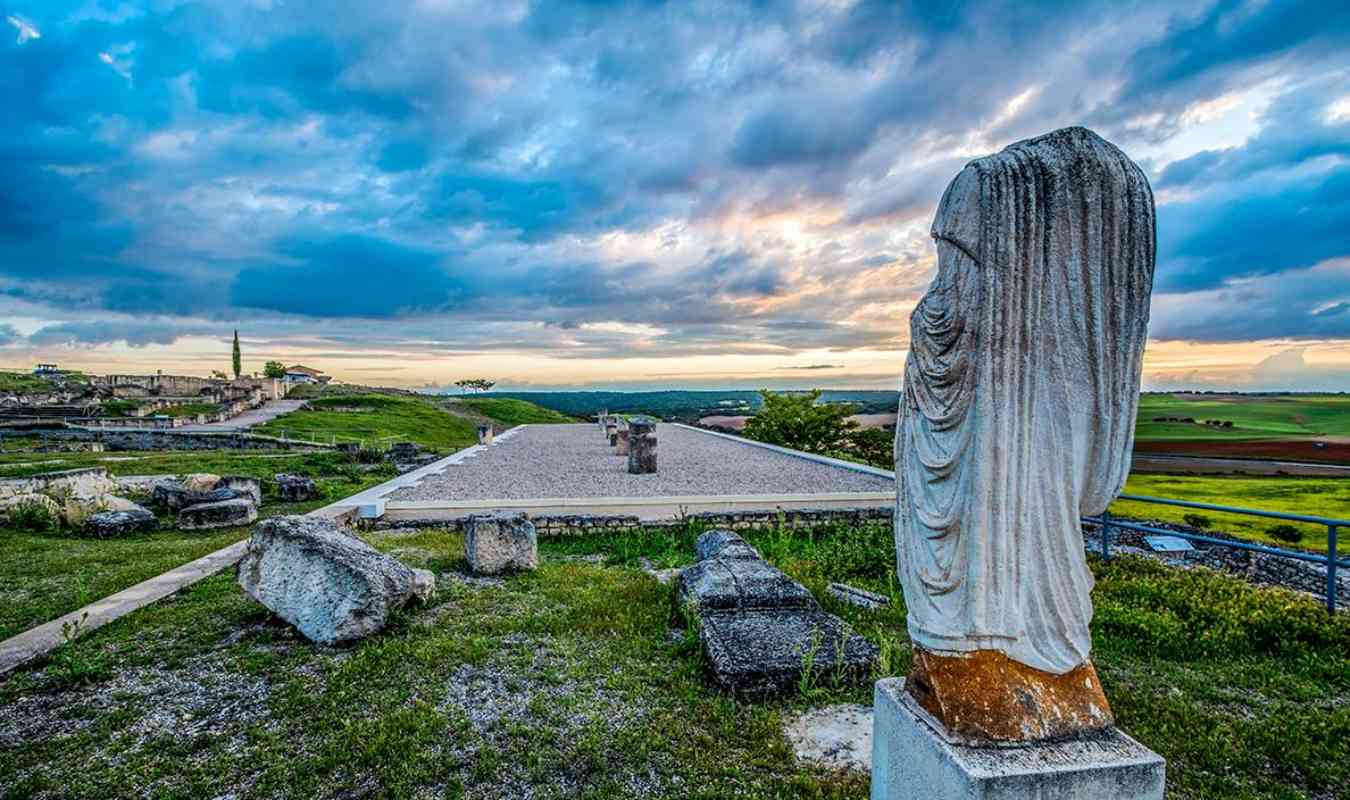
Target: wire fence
1331,560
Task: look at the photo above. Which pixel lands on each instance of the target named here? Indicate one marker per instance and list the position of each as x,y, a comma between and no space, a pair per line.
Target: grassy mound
509,412
375,419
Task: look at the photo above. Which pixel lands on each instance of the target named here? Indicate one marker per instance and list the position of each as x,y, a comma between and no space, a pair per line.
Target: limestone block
496,543
243,486
111,524
296,488
325,581
11,502
201,482
913,756
223,514
423,585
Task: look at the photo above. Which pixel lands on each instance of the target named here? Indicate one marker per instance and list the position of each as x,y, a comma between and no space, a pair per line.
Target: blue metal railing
1331,559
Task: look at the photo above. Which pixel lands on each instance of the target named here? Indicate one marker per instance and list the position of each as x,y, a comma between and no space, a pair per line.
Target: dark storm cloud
355,161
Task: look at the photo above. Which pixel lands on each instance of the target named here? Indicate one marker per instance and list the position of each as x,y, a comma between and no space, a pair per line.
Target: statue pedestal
914,757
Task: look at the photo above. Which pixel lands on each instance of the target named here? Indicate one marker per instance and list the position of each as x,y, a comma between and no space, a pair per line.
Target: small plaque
1168,544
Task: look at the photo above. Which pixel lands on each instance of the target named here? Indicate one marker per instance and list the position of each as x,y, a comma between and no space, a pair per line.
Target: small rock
223,514
296,488
859,597
322,579
111,524
201,482
497,543
423,585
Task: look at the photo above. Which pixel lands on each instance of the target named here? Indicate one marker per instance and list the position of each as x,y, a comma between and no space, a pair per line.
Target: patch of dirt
1330,449
201,698
528,684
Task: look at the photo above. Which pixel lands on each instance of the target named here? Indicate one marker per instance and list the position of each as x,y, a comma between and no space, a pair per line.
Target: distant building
300,374
46,369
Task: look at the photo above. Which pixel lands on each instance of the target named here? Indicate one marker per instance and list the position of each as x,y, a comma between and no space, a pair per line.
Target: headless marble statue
1016,419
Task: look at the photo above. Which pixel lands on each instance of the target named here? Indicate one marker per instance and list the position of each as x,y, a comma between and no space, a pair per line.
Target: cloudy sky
638,193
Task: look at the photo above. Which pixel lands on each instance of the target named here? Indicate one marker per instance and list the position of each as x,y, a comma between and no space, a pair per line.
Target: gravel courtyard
576,461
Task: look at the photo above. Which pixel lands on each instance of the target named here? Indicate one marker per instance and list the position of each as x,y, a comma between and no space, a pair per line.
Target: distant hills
687,406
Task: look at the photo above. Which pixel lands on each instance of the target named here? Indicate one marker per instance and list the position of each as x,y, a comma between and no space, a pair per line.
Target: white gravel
577,461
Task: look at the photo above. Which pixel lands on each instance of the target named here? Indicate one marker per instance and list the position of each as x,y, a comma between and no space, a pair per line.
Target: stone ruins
1016,419
761,630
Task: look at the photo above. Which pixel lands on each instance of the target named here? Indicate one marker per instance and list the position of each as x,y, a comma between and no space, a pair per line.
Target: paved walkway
246,420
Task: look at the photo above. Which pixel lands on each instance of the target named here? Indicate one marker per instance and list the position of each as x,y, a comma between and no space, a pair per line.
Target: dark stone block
722,583
722,544
767,651
110,524
296,488
759,628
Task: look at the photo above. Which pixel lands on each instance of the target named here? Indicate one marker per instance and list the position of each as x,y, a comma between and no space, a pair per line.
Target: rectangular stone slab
763,651
911,759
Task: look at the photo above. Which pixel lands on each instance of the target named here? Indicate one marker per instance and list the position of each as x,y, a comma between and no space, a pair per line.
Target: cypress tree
238,365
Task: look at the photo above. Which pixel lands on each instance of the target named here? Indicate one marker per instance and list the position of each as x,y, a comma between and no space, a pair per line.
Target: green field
509,412
1253,416
375,420
567,682
1320,497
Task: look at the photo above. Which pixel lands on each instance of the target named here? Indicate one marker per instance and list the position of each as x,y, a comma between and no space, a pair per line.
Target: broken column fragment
485,434
325,581
497,543
641,448
762,631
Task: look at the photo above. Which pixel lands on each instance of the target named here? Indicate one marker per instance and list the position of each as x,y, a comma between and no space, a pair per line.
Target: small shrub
367,455
1285,533
32,516
1197,521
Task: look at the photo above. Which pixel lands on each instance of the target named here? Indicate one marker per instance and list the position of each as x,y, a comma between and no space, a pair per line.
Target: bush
32,516
800,422
1285,533
1197,521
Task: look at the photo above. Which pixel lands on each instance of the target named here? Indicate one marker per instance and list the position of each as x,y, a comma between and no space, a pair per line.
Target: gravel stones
223,514
112,524
296,488
573,461
322,579
762,632
497,543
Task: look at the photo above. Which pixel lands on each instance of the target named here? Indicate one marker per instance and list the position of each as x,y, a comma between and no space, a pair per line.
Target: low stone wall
559,526
1261,568
167,440
88,481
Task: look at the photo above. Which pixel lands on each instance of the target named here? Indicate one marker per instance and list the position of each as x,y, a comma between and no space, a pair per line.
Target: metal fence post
1332,558
1106,535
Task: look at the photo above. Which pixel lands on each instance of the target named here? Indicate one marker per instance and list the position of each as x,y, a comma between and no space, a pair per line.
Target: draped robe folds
1020,392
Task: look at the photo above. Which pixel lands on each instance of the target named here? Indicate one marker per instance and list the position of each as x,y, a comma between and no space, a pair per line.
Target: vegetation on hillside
567,682
508,412
689,406
1252,416
376,420
23,383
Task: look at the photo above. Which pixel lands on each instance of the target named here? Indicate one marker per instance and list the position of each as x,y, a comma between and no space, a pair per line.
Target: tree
274,369
238,364
800,422
475,384
218,375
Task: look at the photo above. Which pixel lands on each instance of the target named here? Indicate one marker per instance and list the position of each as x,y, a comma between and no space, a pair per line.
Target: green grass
375,419
23,383
1253,416
509,412
564,682
1326,497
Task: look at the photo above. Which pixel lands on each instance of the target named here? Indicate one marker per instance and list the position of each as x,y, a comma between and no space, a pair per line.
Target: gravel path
576,461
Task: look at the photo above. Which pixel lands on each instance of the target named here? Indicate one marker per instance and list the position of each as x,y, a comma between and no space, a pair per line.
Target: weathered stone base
913,757
986,696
